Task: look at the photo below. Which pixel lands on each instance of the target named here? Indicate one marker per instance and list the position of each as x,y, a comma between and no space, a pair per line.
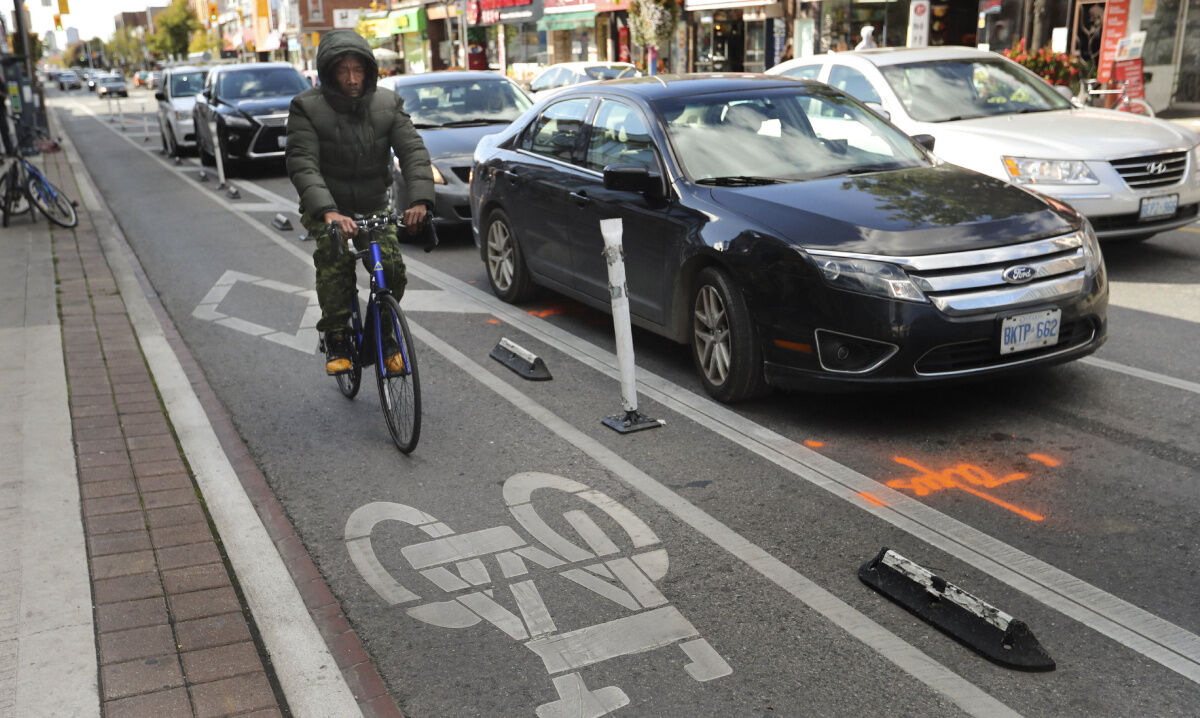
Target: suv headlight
870,277
237,121
1024,170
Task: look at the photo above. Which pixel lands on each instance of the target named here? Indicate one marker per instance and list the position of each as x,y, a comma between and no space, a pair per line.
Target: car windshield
463,102
186,84
948,90
261,82
609,73
781,135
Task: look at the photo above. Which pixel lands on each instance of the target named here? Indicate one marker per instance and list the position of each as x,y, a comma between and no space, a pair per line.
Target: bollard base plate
631,421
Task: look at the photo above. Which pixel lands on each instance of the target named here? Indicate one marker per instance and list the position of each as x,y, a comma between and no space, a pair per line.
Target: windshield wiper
738,181
960,117
425,125
477,121
862,169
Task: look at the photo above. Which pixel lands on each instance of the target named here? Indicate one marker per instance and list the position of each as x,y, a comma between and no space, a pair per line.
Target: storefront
613,36
507,33
408,32
570,27
734,35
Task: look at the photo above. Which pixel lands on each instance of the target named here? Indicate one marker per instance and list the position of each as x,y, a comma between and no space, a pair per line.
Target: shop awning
567,20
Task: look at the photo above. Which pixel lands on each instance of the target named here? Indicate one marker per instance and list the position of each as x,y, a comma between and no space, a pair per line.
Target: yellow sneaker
337,366
337,353
395,363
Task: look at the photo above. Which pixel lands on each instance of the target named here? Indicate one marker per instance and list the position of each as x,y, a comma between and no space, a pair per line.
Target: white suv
176,96
1131,176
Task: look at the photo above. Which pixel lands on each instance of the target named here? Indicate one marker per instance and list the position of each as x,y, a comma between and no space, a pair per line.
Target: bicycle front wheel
399,391
51,201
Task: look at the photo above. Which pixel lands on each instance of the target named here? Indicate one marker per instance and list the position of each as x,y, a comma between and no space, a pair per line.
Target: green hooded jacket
337,146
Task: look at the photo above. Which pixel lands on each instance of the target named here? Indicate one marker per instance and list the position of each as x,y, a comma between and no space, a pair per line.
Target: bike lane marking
1123,622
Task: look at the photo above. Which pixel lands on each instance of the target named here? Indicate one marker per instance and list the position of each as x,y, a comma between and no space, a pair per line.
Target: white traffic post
230,191
145,123
614,255
120,115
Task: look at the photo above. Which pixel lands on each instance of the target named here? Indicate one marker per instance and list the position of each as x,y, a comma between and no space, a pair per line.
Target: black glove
428,233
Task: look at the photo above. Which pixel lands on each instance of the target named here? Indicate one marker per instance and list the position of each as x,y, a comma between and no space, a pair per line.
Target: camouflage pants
336,268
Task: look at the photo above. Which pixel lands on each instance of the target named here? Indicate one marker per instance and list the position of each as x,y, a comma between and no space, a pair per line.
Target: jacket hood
336,43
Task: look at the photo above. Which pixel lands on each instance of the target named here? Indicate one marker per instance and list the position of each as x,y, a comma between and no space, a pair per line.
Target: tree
652,23
205,42
174,27
33,42
124,49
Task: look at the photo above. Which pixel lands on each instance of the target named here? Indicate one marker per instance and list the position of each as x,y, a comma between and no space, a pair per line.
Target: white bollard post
145,123
614,255
230,190
120,115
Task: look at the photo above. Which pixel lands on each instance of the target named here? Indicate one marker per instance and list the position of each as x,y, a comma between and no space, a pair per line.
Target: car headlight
868,276
237,121
437,175
1024,170
1196,164
1091,252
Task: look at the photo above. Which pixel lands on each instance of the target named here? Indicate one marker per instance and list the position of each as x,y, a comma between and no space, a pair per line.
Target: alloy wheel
500,256
710,330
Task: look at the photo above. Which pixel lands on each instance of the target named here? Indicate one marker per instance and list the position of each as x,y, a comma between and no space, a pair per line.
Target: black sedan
248,105
452,111
786,233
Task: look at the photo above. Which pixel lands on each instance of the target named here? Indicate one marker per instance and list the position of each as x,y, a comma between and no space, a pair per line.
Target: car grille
964,283
1117,222
267,141
985,353
1149,171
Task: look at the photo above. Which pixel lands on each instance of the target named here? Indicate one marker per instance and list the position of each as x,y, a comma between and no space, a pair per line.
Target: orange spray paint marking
543,313
814,444
965,477
871,498
1047,460
493,321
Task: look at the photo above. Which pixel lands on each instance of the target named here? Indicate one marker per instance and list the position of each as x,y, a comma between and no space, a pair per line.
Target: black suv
249,105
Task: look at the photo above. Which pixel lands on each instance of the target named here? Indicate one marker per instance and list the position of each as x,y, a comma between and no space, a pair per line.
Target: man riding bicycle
338,140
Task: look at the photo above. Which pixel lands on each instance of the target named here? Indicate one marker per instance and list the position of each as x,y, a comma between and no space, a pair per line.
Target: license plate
1155,207
283,143
1030,331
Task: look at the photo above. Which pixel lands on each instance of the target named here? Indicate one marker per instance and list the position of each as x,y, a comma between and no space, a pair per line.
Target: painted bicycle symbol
454,563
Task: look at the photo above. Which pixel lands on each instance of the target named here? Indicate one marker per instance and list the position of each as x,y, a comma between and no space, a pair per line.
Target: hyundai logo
1019,274
1156,168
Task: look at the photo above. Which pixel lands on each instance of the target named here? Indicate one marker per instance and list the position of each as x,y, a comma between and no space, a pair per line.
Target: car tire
505,262
724,340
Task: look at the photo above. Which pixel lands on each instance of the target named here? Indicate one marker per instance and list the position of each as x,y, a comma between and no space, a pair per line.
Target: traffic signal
212,13
58,22
63,9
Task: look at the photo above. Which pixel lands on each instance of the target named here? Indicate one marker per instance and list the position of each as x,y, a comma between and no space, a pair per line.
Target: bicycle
1124,102
23,181
399,392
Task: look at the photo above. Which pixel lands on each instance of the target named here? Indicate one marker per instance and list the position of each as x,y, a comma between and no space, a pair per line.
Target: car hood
264,105
924,210
183,104
1079,134
446,142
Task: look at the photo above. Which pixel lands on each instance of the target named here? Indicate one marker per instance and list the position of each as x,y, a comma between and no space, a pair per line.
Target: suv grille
1149,171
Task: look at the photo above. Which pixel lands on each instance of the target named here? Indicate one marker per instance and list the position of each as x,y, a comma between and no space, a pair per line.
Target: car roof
244,66
884,56
432,78
580,64
185,68
657,87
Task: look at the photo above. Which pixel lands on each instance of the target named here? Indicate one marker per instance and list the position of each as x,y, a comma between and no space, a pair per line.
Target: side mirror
628,178
878,109
159,96
925,141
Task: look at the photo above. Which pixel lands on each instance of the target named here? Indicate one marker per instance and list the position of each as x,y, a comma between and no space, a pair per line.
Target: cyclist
338,140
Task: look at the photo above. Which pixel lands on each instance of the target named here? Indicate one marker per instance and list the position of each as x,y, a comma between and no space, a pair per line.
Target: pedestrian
867,42
340,137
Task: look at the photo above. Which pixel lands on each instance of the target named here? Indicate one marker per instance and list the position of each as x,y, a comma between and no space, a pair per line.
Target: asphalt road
711,564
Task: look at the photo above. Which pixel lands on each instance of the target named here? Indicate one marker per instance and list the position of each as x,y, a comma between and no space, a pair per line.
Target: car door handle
511,175
581,198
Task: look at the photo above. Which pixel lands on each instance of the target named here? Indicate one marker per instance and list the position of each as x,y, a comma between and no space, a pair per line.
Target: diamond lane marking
305,338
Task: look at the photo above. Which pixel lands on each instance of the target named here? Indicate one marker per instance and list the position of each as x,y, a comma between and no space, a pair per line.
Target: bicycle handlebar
378,221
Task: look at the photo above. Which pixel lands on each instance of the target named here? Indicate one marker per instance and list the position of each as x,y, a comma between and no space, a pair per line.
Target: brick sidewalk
174,638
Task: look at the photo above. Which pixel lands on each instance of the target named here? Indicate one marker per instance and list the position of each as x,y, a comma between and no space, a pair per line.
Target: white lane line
1125,623
307,671
1177,301
1163,379
969,697
1121,621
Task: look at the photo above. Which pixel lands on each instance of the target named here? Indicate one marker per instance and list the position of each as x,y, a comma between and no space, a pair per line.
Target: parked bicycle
1124,103
23,185
384,333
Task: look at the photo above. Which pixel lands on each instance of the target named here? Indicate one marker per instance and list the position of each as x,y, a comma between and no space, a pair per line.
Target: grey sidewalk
116,593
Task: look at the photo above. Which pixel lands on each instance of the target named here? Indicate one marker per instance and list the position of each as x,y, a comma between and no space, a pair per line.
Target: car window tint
807,72
557,130
441,102
186,84
619,137
853,83
547,80
960,89
264,82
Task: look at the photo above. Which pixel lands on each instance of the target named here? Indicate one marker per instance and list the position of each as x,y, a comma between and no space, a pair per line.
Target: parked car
249,104
1131,176
111,85
176,99
564,74
786,233
451,111
68,80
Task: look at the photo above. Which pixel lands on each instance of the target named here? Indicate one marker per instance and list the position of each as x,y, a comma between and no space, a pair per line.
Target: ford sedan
786,233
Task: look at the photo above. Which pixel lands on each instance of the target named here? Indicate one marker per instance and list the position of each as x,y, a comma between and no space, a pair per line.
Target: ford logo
1019,274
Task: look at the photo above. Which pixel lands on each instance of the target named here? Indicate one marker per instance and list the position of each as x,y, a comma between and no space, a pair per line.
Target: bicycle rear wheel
51,201
349,382
399,392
